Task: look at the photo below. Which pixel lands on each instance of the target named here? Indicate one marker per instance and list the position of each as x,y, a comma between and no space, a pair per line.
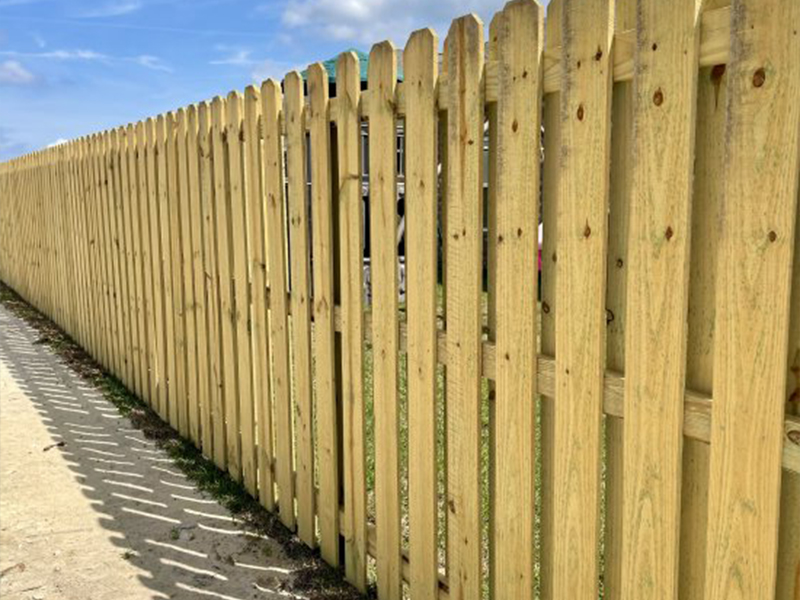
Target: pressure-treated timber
271,100
753,278
262,390
657,294
322,306
520,40
383,273
464,101
222,202
551,120
187,193
215,418
351,256
421,69
300,302
240,197
200,423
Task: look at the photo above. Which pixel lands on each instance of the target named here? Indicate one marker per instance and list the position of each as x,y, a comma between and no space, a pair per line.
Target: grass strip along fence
633,433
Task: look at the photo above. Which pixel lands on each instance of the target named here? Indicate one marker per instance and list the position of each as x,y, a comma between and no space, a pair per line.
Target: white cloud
39,40
152,62
370,21
58,55
12,72
143,60
113,9
240,57
58,142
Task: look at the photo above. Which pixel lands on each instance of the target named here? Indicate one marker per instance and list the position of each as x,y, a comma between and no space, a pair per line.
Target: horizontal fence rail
330,285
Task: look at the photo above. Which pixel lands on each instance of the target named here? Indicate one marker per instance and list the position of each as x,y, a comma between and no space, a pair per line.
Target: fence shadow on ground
186,543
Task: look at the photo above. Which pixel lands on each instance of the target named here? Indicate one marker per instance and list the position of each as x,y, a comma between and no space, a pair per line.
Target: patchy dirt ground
95,505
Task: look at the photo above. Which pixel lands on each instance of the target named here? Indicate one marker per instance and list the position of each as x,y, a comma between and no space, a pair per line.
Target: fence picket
222,204
754,277
262,391
145,266
551,116
103,185
300,302
655,355
239,201
519,49
167,188
351,256
118,250
211,119
137,276
325,372
159,332
585,135
708,192
421,69
464,241
178,208
188,195
271,100
385,343
617,265
199,425
128,193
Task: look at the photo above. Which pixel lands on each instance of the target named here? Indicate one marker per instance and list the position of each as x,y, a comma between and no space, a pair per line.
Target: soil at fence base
316,580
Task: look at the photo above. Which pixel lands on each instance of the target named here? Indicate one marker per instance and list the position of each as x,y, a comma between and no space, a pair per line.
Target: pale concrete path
107,516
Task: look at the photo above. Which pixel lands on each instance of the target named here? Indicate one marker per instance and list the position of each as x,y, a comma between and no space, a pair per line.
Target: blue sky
71,67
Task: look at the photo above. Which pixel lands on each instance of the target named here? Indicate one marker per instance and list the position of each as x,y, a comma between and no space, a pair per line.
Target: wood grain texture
164,183
222,202
351,276
385,343
182,395
620,193
754,278
262,386
464,241
199,185
655,339
148,334
520,40
585,134
126,224
300,302
119,142
271,99
134,233
708,195
239,200
551,118
420,64
325,371
168,196
208,149
159,342
188,193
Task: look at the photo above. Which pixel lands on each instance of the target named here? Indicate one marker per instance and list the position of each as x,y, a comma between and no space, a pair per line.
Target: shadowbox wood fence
630,429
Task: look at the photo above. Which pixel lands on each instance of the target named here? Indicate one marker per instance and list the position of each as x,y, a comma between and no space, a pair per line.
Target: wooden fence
471,440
